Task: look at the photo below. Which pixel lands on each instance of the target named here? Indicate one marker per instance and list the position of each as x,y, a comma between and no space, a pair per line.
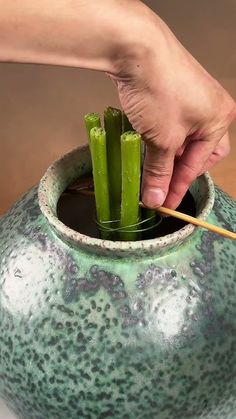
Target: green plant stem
113,127
130,157
126,125
91,120
100,176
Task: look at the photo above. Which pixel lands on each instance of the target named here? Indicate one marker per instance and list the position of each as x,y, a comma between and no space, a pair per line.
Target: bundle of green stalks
116,161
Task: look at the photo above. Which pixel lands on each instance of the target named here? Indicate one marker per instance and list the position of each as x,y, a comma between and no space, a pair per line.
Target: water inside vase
78,212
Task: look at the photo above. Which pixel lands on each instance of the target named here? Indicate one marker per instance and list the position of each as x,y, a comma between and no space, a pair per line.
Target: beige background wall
42,108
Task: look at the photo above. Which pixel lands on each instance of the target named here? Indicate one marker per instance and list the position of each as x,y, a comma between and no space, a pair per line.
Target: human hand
182,113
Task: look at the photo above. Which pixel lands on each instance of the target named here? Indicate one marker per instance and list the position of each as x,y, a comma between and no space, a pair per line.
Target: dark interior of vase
78,212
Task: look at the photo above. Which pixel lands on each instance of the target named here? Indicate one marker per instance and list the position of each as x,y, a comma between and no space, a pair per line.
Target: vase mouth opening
65,171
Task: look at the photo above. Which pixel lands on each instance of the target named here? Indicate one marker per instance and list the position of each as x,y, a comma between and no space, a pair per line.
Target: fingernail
153,197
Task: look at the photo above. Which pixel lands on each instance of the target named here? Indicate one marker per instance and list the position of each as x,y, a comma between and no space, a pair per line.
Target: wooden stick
195,221
188,218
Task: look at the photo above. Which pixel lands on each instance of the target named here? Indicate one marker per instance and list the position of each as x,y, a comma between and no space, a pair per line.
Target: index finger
186,169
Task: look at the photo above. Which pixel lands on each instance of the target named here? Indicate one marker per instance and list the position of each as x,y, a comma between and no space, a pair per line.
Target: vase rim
48,204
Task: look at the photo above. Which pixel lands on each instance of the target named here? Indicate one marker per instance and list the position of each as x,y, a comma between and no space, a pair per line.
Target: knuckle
226,150
217,125
190,173
175,192
230,111
166,147
223,151
163,146
157,171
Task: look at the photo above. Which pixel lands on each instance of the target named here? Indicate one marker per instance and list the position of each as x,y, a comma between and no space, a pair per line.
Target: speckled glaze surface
93,329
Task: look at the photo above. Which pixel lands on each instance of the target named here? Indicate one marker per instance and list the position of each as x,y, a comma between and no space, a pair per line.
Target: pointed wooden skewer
188,218
196,221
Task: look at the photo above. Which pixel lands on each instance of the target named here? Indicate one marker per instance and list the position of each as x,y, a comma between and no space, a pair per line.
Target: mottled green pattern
84,336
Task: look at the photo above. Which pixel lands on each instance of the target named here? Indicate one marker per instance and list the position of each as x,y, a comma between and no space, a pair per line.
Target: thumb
157,173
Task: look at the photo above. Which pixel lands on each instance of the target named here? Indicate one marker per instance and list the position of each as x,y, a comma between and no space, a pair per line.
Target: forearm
78,33
65,32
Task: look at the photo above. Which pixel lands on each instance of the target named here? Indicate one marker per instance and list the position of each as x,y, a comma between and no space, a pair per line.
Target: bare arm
79,33
66,32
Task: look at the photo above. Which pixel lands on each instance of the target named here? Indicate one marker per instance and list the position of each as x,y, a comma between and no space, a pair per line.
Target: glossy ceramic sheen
96,329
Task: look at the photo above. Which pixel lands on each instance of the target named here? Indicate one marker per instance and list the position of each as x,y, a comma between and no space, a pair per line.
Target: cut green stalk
130,157
100,176
91,120
126,125
113,127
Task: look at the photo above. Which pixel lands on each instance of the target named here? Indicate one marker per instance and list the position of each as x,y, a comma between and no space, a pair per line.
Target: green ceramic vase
100,329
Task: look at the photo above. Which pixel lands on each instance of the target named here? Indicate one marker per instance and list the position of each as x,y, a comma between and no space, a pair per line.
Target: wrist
112,36
143,39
